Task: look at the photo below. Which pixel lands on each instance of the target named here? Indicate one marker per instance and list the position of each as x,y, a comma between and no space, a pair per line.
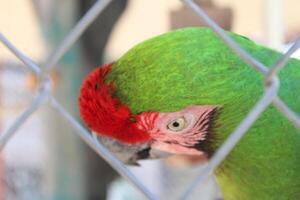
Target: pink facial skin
194,128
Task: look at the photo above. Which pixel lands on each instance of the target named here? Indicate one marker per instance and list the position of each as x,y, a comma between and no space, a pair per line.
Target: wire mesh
271,84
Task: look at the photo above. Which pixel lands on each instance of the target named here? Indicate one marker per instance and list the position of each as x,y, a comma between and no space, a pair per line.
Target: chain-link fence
271,85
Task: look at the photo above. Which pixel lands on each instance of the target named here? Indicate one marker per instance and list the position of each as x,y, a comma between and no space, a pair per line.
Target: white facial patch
177,132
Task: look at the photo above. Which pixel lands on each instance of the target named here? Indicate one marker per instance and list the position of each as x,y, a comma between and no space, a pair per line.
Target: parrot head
184,92
149,134
172,94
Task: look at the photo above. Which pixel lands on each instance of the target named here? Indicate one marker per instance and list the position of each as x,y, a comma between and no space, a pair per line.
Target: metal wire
282,61
29,63
290,115
4,137
222,34
101,150
270,79
235,137
271,84
77,31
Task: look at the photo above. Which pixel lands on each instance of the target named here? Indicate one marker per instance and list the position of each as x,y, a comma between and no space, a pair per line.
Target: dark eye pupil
175,124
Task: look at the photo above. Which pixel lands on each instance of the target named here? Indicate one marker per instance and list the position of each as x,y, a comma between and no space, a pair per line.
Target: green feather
193,66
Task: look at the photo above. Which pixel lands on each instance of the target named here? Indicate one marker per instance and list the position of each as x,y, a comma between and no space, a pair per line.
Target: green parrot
184,92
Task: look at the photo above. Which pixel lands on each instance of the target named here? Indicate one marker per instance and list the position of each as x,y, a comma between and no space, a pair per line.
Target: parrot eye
177,124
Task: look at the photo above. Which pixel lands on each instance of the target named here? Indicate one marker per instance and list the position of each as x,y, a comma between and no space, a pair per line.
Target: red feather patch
105,114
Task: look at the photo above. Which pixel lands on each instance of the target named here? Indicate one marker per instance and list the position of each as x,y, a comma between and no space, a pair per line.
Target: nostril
97,86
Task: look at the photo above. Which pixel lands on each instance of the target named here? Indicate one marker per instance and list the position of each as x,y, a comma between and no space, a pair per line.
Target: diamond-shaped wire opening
57,54
270,96
36,102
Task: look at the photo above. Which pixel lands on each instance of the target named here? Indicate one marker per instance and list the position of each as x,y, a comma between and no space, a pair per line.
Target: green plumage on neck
193,66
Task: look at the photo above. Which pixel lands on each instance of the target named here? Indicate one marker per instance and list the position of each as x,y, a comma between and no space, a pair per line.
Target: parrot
184,92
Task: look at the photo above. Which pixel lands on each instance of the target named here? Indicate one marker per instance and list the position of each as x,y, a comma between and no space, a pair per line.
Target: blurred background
45,160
